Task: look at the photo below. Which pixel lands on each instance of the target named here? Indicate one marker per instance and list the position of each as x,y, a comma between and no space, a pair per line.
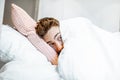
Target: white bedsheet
89,53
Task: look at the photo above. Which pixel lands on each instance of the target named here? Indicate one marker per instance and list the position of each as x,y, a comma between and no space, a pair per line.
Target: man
48,29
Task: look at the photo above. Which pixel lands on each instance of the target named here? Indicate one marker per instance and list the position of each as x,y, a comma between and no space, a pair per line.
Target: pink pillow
26,25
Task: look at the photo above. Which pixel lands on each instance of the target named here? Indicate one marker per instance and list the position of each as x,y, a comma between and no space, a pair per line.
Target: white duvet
89,53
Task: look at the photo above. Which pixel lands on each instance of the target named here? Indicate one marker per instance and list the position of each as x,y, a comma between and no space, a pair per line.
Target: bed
89,53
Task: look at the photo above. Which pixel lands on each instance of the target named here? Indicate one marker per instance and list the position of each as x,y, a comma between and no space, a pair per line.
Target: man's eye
59,38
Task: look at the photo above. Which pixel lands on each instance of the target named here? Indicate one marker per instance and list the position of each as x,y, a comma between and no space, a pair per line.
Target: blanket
90,53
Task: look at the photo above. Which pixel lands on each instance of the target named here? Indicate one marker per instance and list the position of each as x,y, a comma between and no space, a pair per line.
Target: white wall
103,13
2,2
52,8
1,19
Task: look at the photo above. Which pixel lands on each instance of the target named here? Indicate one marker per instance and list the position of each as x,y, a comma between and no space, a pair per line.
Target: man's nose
59,46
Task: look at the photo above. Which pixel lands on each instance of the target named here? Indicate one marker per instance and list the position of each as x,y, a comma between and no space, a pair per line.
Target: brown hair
44,24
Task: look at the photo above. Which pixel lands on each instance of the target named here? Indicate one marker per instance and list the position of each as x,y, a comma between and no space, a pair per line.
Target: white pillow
23,60
14,46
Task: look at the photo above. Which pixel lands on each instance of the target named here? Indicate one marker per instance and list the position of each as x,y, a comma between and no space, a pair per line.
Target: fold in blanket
89,53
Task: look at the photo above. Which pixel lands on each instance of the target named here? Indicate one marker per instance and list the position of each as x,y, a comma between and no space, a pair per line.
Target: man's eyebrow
56,35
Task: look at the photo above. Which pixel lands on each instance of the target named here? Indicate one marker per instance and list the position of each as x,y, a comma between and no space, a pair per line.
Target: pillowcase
26,25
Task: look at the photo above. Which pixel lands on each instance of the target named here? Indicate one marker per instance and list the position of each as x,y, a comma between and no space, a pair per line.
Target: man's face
54,39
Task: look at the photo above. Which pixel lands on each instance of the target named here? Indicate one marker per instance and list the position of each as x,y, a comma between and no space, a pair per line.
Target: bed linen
22,60
90,53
